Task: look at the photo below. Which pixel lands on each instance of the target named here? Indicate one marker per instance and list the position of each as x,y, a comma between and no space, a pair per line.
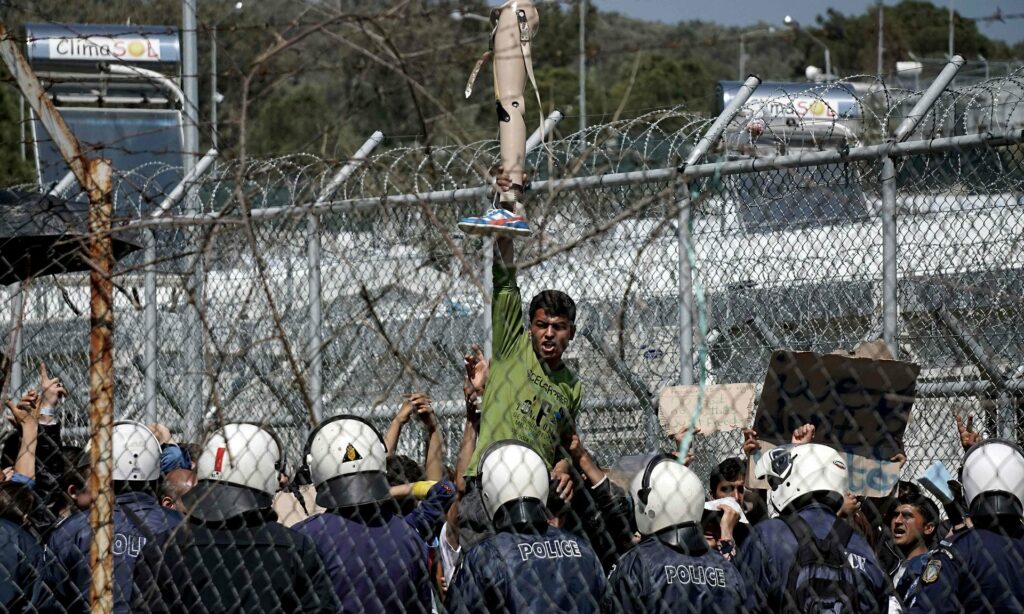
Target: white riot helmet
795,471
993,478
514,484
666,494
347,463
237,472
136,452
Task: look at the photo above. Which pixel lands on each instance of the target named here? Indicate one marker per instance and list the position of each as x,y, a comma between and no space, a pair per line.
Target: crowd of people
527,521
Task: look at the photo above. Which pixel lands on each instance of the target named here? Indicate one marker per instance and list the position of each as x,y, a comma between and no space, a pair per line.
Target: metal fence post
150,326
685,244
313,259
17,324
890,298
685,240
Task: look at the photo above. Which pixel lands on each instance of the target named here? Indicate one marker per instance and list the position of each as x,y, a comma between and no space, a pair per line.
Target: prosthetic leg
515,23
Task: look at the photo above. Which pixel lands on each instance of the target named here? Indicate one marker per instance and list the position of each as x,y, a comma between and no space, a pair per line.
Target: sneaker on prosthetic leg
507,221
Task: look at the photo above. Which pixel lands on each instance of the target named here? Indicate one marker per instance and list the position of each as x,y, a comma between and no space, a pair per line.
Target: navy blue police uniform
655,577
976,570
769,553
548,571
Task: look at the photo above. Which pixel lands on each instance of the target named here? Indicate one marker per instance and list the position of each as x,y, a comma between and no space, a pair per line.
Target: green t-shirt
523,399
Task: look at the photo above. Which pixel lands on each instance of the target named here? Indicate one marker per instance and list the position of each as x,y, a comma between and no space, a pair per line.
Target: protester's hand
730,518
51,388
406,410
564,487
425,411
968,437
750,444
7,475
899,459
161,432
851,505
678,438
803,434
26,411
475,380
503,180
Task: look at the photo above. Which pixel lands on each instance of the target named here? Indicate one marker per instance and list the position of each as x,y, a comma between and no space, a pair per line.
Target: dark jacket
50,468
551,571
69,576
248,563
604,520
375,558
768,554
21,565
654,577
975,571
429,515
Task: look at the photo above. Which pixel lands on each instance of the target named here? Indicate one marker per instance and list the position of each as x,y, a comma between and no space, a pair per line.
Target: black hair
727,471
554,303
17,503
403,470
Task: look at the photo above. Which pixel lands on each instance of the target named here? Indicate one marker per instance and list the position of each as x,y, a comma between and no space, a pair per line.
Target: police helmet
666,494
347,462
136,452
514,484
795,471
993,478
237,472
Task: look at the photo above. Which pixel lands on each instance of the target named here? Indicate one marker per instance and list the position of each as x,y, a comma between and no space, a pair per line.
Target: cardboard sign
726,407
868,477
858,405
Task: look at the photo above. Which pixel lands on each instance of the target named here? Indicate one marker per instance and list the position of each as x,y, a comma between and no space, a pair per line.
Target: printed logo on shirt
695,574
858,562
130,545
550,549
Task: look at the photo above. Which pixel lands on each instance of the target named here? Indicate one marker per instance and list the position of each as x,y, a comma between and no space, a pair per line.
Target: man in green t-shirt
531,395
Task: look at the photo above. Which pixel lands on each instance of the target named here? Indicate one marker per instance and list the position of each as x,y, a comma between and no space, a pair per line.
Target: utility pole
881,38
583,65
950,28
194,344
96,178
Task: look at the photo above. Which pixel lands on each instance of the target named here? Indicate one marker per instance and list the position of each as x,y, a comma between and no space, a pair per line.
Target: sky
750,12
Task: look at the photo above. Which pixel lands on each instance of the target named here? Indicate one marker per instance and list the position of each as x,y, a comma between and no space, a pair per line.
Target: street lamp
743,48
214,96
792,23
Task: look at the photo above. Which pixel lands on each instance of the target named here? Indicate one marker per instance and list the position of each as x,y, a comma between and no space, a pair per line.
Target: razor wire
789,257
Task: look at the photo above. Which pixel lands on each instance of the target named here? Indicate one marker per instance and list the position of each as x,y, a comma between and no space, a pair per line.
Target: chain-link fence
283,292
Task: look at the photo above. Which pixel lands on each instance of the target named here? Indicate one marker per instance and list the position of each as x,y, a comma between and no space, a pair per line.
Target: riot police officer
978,569
528,565
376,559
672,569
803,558
138,520
231,554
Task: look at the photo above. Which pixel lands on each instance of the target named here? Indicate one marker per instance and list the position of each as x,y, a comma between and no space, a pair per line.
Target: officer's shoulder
70,526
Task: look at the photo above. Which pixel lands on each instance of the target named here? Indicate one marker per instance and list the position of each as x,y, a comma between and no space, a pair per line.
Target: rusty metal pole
96,179
101,385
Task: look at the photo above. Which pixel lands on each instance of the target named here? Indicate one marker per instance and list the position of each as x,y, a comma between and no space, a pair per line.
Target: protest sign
858,405
725,407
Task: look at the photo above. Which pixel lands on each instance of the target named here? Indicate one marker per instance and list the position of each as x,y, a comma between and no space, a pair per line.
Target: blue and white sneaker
499,222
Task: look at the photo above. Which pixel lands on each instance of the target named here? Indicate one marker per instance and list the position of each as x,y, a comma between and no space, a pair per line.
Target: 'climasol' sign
137,49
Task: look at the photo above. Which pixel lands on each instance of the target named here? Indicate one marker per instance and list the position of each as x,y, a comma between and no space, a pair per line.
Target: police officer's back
527,566
803,558
375,558
231,555
672,569
981,569
138,519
